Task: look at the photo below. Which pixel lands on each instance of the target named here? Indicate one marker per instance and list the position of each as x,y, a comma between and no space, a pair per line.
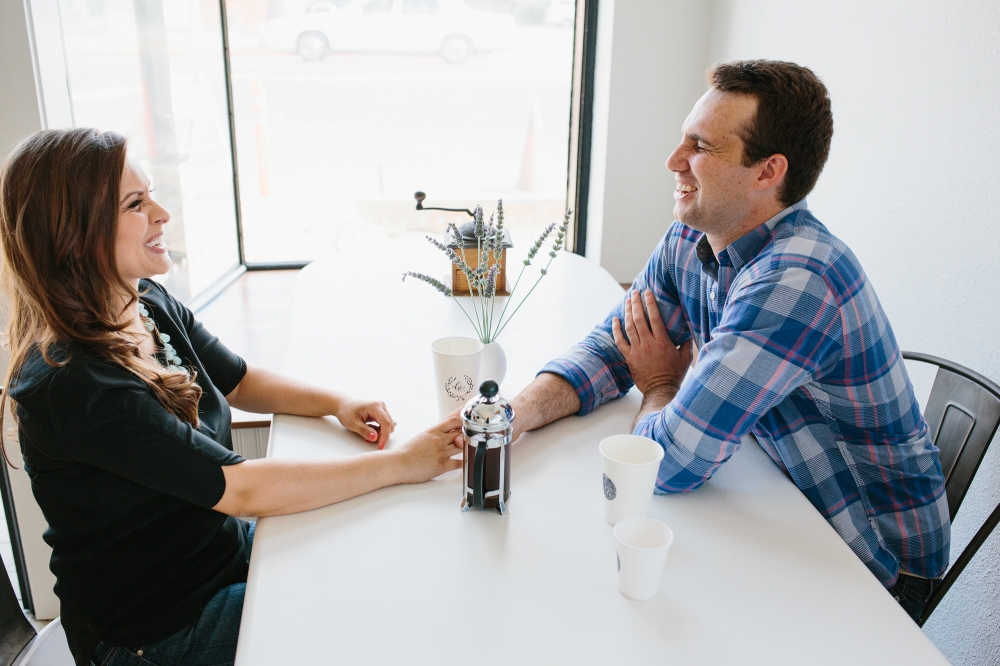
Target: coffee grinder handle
478,472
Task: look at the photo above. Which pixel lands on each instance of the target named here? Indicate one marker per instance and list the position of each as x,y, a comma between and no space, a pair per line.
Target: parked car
447,27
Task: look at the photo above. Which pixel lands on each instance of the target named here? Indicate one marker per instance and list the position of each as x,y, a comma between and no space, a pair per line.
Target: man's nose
676,161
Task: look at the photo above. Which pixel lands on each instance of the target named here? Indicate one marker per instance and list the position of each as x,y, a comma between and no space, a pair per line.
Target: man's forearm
546,399
654,401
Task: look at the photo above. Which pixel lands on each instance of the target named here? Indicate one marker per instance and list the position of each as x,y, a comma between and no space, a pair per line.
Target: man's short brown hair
793,118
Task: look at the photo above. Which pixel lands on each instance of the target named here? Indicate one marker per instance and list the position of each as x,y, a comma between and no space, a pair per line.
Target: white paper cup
456,371
643,544
630,466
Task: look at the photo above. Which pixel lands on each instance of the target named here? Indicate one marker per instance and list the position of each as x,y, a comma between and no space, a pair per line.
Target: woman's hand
429,454
358,415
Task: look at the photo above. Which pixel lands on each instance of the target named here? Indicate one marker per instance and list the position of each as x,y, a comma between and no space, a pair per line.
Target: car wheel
456,48
312,46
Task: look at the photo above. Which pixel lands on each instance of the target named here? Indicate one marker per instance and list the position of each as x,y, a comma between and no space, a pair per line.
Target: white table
402,576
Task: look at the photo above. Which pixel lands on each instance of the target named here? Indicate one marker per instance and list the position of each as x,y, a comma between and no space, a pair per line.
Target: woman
122,401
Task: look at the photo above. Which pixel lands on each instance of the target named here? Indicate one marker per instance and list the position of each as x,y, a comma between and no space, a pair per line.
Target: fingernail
372,436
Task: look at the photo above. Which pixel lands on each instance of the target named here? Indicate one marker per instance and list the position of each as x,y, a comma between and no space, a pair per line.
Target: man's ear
771,172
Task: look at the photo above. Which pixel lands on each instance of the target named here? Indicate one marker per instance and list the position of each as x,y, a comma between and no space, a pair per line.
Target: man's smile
683,191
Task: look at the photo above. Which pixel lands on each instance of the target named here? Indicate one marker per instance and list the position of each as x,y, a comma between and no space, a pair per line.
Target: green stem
466,315
503,324
493,304
510,296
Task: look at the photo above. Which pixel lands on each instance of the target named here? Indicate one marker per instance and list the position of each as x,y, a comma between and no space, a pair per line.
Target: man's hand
657,366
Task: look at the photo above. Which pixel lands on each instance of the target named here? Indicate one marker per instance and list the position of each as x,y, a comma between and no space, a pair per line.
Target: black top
127,488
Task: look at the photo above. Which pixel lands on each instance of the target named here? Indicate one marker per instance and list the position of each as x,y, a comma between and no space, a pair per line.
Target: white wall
913,187
649,74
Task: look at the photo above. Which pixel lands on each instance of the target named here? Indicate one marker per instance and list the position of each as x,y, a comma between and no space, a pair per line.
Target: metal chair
19,644
962,413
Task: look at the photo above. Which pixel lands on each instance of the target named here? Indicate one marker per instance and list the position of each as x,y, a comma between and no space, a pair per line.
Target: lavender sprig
561,236
478,218
491,281
437,284
457,235
452,256
498,244
538,244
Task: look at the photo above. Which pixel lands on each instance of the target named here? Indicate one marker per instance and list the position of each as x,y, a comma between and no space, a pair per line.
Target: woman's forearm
275,487
272,487
265,392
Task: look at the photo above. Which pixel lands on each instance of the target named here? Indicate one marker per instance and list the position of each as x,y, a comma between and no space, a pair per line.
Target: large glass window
154,71
345,107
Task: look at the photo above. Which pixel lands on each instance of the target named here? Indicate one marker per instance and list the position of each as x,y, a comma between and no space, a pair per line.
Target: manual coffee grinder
487,424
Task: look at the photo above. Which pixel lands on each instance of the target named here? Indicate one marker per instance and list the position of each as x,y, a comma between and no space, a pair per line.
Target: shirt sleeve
776,334
595,368
126,431
225,369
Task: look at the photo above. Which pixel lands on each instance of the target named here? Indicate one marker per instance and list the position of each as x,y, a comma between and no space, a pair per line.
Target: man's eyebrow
700,139
125,198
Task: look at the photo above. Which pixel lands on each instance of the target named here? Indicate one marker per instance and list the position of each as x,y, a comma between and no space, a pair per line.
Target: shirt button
139,653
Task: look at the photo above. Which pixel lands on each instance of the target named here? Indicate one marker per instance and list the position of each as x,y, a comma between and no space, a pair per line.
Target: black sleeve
126,431
225,369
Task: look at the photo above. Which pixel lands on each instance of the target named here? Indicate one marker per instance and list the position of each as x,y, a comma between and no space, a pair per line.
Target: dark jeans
209,641
912,593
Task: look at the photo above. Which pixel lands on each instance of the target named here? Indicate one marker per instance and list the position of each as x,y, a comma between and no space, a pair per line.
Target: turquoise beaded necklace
173,360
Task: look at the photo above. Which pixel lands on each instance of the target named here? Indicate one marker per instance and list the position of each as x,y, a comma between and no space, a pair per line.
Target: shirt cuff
589,375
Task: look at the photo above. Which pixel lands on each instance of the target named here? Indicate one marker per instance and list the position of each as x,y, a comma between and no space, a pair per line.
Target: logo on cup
609,488
458,388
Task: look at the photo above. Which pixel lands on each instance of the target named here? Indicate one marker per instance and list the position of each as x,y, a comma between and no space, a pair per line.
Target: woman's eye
135,205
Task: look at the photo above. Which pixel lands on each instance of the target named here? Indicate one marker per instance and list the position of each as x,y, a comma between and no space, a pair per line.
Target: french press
487,424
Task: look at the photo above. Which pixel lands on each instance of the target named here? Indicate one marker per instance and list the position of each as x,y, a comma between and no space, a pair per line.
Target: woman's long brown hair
59,192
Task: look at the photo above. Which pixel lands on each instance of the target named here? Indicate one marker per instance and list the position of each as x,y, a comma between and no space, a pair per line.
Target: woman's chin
151,269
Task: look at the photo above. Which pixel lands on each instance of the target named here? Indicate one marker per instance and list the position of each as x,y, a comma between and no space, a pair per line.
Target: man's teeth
155,243
686,188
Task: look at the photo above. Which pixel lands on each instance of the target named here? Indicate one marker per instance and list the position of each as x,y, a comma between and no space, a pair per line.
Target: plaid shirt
795,348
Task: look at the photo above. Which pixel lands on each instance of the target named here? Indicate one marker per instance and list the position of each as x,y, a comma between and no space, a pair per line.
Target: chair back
962,413
15,630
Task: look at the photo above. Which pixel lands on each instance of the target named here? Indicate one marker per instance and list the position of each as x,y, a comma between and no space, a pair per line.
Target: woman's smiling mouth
157,244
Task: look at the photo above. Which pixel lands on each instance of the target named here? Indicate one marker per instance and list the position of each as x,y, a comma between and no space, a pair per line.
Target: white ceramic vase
494,363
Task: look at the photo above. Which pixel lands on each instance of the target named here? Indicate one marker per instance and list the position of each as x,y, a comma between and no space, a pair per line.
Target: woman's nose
160,215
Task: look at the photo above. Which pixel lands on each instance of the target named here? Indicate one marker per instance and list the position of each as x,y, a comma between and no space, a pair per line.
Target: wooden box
459,283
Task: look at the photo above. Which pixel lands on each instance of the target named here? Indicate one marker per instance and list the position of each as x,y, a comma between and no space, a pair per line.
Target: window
344,109
153,70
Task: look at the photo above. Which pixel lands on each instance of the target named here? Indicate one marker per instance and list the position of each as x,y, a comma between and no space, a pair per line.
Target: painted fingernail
372,436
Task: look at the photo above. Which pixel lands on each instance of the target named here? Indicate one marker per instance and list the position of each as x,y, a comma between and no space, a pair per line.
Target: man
793,344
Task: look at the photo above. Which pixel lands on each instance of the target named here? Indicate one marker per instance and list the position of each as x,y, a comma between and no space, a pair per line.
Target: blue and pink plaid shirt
795,348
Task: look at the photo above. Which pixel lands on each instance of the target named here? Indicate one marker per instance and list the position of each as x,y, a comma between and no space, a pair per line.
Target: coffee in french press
487,424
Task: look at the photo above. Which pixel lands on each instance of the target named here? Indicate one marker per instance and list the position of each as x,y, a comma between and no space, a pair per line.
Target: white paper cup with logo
630,466
456,371
643,544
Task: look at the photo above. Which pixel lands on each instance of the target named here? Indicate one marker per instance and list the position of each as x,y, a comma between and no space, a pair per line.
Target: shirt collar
746,247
